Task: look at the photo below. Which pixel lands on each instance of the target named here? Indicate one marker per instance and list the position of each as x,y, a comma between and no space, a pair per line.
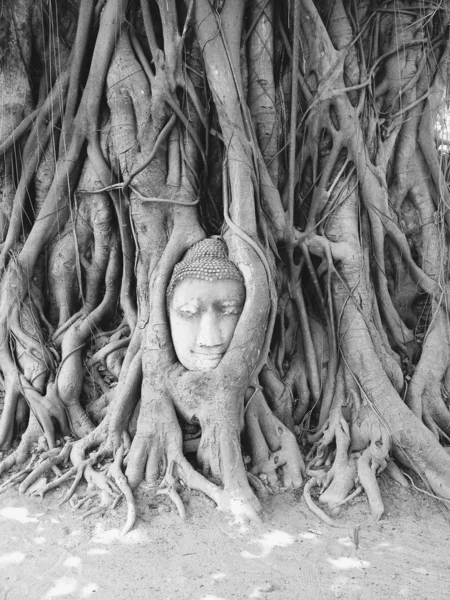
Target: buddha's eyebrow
188,304
231,302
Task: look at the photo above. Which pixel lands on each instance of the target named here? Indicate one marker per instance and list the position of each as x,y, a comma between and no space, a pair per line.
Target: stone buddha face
205,299
203,316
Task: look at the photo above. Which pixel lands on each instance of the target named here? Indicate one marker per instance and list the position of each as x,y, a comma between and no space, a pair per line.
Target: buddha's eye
231,310
188,312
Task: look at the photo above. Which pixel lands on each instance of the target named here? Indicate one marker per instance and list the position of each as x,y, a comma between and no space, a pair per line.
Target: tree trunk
304,134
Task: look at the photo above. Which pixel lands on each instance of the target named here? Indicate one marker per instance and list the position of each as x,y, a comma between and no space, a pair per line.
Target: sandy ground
49,552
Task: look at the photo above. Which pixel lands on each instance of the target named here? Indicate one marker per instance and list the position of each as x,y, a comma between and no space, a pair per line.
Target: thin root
52,457
73,487
316,510
355,493
16,478
83,500
170,490
93,511
115,471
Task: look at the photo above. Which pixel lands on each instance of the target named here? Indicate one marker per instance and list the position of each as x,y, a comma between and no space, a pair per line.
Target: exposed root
354,494
170,490
73,487
94,511
344,211
105,502
84,499
52,457
78,471
318,512
108,484
115,471
115,502
241,507
22,453
368,480
396,474
19,476
47,409
273,446
338,480
258,486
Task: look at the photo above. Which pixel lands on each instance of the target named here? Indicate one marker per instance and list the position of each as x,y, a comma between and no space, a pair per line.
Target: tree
302,132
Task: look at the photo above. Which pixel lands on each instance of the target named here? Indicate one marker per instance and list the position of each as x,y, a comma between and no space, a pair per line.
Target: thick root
164,457
241,507
22,453
275,453
368,480
48,409
340,479
395,473
342,483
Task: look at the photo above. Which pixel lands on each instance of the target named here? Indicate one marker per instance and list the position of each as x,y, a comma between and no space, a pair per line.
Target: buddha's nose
209,334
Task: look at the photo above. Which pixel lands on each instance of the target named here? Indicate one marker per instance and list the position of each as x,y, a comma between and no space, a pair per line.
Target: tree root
338,480
15,479
101,355
258,486
354,494
19,476
241,507
278,396
84,499
22,453
115,471
368,480
110,483
50,459
73,487
396,474
47,409
78,471
105,503
318,512
273,446
170,490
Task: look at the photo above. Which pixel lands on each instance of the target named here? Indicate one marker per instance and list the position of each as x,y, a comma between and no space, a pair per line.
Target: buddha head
205,298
